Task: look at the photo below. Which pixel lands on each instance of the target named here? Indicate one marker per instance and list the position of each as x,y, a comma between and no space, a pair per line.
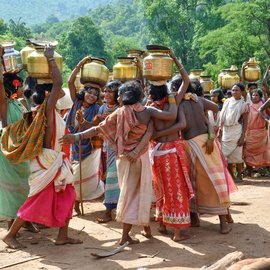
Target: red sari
172,184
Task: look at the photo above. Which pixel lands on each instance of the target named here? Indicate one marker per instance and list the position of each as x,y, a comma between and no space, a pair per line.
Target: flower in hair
16,83
13,96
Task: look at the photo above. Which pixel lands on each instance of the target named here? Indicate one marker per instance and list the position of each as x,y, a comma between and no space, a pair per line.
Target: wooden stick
80,165
22,261
225,262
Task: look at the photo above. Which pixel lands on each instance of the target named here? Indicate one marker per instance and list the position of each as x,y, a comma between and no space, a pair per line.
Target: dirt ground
250,234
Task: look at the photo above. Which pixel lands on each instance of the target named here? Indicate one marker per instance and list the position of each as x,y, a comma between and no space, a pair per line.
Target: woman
51,196
218,98
14,178
124,129
256,149
85,108
111,187
233,124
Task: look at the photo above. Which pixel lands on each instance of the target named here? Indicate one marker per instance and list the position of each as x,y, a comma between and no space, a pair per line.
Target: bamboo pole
80,167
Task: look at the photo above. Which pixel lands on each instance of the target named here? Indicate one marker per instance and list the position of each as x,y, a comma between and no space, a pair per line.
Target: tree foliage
81,39
244,34
204,34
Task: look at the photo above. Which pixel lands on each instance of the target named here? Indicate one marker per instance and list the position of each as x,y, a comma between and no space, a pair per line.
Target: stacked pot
11,58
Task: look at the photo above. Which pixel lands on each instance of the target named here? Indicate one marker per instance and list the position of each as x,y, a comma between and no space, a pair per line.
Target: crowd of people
139,144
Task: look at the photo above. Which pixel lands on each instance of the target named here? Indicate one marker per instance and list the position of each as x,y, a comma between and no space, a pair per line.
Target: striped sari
13,177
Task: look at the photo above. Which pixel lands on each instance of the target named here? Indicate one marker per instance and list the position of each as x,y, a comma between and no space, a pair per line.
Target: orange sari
256,150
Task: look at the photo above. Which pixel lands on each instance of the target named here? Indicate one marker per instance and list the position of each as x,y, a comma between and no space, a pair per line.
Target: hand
132,156
1,51
209,145
241,141
172,55
245,64
48,51
85,60
67,139
79,116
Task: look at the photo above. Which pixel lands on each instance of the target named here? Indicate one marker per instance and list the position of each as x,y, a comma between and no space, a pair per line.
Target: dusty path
250,235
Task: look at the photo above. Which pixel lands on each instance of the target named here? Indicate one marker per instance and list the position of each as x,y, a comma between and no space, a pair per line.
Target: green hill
36,12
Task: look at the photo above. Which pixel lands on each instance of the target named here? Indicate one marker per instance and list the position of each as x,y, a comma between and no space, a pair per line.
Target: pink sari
53,204
256,150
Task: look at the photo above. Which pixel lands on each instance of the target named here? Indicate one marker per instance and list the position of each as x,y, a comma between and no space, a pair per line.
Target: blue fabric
89,114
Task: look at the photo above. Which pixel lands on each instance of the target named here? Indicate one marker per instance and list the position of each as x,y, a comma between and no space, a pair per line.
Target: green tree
19,29
3,27
81,39
181,24
245,33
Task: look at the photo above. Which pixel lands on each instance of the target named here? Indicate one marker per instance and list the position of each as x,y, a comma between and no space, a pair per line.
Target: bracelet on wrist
171,99
83,122
51,59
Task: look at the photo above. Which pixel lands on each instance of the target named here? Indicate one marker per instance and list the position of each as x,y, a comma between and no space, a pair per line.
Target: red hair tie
16,83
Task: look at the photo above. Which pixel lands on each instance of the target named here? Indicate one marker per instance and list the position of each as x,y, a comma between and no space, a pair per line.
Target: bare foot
30,227
129,240
225,229
146,232
13,243
180,237
105,218
195,220
77,208
229,218
65,241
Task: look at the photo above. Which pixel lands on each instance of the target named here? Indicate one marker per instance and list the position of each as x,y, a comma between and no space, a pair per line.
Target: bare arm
3,99
53,97
185,79
57,81
244,129
72,78
140,72
266,89
265,105
242,74
164,115
87,134
180,124
209,105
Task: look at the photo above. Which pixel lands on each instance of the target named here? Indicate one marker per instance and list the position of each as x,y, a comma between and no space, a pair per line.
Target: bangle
211,136
171,99
181,68
51,59
83,122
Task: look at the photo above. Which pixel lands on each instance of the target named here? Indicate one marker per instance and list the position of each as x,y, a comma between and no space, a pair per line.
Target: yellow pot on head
25,52
229,79
195,74
95,72
252,71
125,69
38,66
158,65
207,83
